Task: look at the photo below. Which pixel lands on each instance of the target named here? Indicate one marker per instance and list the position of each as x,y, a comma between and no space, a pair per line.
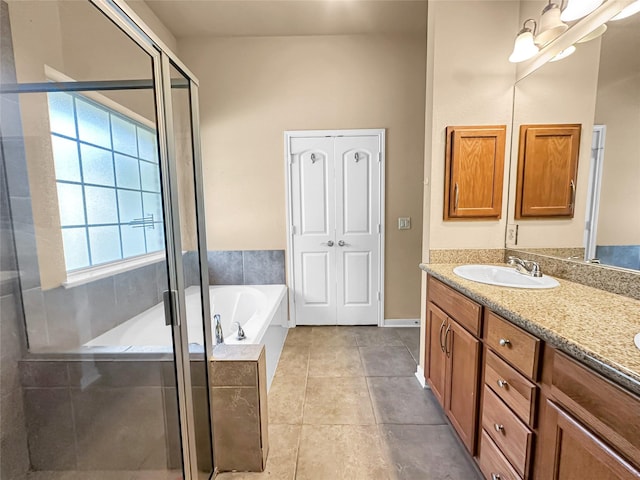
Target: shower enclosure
102,223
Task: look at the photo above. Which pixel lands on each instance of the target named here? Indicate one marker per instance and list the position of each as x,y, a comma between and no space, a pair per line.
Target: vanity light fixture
524,47
628,11
593,34
550,24
564,53
579,8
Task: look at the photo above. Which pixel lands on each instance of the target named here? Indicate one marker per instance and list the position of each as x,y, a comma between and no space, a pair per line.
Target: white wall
252,89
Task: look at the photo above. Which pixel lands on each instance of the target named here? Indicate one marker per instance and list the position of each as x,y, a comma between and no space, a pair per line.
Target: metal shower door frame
121,15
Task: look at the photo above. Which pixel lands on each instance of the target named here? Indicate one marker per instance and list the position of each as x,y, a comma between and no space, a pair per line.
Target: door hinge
379,156
293,229
291,157
170,301
379,296
379,228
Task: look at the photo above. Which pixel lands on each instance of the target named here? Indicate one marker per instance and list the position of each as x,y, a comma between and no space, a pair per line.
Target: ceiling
195,18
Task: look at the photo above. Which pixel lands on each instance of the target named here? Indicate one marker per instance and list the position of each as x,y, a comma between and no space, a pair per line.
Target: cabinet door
435,361
461,399
567,451
547,170
474,172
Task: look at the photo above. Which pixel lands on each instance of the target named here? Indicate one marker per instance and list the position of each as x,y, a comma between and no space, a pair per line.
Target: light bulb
579,8
628,11
564,53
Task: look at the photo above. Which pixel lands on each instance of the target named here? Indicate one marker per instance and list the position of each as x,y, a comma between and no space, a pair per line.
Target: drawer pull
495,476
499,427
502,383
504,342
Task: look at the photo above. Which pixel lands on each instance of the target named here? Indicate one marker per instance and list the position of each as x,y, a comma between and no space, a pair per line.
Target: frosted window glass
70,204
97,165
105,244
124,136
132,241
150,176
65,157
76,253
61,118
152,204
127,173
93,124
129,205
155,238
147,145
101,205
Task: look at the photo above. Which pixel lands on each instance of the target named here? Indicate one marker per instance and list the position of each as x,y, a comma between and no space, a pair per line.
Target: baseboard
420,376
401,322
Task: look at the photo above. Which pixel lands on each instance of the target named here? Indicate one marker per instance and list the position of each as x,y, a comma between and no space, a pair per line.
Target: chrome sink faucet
526,267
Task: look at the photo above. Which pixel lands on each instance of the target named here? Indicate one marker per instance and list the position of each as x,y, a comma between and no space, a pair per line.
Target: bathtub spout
241,335
218,328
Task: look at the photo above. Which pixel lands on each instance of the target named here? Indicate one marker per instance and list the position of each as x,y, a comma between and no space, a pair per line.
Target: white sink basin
503,277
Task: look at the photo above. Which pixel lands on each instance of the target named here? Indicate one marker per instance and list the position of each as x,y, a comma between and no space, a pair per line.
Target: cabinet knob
502,383
504,342
495,476
499,427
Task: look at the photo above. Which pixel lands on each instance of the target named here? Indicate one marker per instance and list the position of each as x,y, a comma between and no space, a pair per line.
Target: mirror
599,88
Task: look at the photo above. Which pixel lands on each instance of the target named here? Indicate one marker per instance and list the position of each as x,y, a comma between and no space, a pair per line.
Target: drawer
516,346
466,312
511,436
493,463
512,387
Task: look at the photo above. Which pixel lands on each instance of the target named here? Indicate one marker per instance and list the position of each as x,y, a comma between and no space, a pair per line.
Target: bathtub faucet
218,327
241,335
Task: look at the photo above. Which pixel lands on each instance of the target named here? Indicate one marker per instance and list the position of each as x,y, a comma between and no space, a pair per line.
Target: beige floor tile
336,452
333,336
281,462
286,400
299,336
376,336
335,362
294,361
337,401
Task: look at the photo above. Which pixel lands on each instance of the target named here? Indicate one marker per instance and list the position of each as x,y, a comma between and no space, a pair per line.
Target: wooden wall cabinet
453,360
547,170
474,170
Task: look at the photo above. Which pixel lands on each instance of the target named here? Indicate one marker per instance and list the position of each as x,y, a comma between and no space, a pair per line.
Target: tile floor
345,404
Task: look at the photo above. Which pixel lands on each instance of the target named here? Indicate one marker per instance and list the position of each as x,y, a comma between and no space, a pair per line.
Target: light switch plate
512,234
404,223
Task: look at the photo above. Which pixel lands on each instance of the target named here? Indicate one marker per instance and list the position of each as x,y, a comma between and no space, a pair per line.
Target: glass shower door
93,198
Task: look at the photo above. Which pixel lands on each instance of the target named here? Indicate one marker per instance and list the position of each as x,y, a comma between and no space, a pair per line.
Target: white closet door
357,179
313,219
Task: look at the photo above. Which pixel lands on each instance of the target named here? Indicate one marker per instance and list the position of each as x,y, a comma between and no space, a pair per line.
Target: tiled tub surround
602,277
248,267
593,326
67,317
76,411
625,256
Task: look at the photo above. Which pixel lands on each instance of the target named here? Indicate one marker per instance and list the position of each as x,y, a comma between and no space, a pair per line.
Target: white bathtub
260,309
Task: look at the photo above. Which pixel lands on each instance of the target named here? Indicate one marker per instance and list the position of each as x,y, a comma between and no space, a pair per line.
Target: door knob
341,243
329,243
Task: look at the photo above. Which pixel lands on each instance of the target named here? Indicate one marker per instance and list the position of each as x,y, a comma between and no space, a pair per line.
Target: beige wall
472,85
252,89
469,82
618,107
559,92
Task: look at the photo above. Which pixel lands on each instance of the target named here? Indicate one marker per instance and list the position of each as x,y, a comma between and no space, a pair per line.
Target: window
108,182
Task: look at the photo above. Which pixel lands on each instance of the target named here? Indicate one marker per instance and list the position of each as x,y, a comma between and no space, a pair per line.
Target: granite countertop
593,326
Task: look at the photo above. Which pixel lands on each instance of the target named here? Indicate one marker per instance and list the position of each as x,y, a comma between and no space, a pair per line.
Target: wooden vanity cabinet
452,358
474,171
547,170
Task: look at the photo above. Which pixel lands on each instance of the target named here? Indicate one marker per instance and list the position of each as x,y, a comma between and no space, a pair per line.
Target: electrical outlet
512,234
404,223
